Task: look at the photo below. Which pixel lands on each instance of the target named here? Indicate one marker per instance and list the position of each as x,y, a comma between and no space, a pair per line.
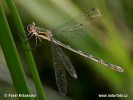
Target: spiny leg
28,38
36,40
39,40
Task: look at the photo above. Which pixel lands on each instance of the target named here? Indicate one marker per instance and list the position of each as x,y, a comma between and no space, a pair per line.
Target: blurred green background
110,39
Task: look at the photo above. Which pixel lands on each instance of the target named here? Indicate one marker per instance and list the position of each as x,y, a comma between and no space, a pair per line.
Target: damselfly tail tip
115,68
119,69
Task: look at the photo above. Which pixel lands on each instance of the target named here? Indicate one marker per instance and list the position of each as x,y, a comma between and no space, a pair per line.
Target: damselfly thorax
33,30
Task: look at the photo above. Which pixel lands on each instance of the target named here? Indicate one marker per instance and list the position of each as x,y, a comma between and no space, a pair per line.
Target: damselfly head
31,27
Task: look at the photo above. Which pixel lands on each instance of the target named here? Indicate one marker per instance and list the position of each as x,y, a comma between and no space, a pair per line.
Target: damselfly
60,59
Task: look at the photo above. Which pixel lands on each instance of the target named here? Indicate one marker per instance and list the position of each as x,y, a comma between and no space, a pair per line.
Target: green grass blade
29,57
12,58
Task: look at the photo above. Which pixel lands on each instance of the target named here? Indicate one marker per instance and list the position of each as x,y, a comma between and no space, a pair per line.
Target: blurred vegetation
110,39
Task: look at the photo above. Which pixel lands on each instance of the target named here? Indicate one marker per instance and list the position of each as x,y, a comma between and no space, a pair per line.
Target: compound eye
29,27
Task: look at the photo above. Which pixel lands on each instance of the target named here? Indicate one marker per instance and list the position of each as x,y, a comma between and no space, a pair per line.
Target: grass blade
12,58
29,57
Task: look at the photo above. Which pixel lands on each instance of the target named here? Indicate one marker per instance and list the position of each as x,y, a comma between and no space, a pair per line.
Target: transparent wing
59,70
66,62
78,24
60,61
